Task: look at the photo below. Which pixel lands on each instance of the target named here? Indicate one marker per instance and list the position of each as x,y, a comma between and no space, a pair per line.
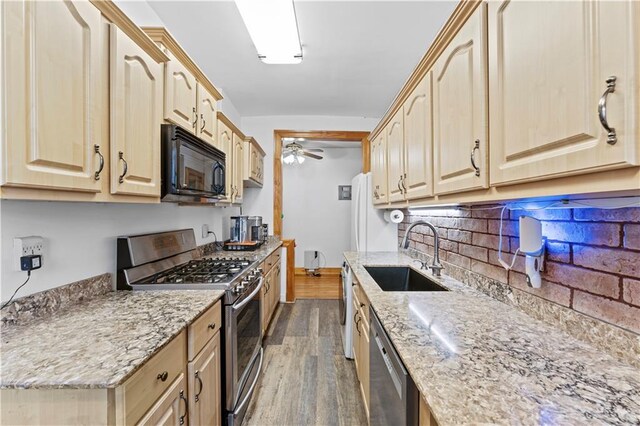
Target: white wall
140,13
80,238
313,215
260,201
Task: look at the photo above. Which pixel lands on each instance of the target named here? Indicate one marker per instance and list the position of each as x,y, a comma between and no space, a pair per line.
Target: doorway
303,286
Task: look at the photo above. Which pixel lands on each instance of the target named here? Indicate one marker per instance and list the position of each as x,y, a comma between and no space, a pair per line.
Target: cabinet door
53,106
171,408
418,143
238,165
136,99
180,97
395,156
225,141
379,169
205,403
460,110
207,116
548,69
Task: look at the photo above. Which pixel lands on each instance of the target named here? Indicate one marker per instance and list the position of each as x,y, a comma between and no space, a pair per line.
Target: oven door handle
253,385
248,299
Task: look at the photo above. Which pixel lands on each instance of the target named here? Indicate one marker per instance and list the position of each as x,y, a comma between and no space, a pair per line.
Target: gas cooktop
216,271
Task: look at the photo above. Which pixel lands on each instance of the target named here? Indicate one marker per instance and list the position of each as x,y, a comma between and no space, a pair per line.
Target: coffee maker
247,229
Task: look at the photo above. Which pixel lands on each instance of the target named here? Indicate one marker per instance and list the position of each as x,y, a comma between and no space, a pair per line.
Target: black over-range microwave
193,171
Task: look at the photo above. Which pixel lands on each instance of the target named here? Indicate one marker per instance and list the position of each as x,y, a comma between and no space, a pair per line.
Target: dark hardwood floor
306,380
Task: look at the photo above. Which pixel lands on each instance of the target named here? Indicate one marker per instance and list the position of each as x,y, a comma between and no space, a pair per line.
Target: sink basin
401,278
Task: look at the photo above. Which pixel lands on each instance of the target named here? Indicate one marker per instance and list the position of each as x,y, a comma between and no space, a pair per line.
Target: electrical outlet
205,231
25,246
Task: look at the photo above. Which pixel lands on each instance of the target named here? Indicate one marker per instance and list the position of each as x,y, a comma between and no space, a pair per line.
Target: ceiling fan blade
310,155
314,150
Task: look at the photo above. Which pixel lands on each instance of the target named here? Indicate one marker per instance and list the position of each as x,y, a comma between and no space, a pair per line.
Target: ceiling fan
294,152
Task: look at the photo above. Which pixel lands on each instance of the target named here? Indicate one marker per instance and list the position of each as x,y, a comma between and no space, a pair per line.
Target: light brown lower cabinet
205,384
163,391
426,418
361,341
171,407
270,293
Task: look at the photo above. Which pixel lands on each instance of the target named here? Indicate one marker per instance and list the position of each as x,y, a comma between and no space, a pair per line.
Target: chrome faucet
435,266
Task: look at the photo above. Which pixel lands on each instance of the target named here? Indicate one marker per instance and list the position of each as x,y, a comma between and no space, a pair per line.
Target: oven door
244,342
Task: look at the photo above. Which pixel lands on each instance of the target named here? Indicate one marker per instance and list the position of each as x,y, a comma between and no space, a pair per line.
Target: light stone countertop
478,360
101,342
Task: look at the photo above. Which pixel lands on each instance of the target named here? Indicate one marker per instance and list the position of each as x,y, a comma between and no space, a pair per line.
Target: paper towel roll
393,216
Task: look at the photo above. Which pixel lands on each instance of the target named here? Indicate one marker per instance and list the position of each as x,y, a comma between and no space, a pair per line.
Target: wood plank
306,379
322,271
322,287
290,245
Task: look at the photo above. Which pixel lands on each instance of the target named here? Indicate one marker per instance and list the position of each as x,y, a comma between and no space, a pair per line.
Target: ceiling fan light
288,159
300,159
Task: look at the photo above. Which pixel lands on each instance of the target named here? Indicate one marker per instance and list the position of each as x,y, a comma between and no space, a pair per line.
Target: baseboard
323,271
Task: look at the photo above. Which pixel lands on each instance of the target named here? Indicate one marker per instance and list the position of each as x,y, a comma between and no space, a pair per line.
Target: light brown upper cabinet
136,114
190,99
254,163
460,110
395,157
180,98
379,169
207,116
225,142
53,105
238,167
231,141
550,65
418,144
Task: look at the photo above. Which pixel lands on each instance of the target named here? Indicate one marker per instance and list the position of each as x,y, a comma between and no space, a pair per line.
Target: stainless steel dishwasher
394,398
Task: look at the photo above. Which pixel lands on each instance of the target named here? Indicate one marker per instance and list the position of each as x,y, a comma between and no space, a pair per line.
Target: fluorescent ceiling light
273,28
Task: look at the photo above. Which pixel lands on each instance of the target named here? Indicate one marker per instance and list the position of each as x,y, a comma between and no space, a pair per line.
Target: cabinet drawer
203,329
143,389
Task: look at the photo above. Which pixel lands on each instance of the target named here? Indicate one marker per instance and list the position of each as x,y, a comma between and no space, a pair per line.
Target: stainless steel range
169,261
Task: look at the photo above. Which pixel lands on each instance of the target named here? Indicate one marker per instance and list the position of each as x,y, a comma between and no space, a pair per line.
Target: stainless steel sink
401,278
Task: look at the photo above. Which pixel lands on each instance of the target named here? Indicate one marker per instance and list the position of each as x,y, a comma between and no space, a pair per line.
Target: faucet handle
423,264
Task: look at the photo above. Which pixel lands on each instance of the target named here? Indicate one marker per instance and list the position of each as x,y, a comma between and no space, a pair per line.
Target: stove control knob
259,270
245,282
236,290
239,288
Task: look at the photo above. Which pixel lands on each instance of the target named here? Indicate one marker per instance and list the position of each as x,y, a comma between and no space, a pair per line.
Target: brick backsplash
592,262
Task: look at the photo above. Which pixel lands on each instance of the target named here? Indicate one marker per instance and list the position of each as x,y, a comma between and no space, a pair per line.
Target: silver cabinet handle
399,185
197,376
195,118
404,187
476,146
96,176
186,407
612,138
126,167
203,123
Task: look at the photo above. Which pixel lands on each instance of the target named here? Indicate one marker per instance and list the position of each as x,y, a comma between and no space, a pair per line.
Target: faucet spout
436,267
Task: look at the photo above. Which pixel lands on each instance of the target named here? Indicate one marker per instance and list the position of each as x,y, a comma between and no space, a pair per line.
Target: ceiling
357,54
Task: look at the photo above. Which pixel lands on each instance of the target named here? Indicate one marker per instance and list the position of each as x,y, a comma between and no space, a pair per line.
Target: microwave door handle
248,299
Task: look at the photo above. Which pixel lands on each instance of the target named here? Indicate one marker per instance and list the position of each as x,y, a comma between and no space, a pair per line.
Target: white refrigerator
369,230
